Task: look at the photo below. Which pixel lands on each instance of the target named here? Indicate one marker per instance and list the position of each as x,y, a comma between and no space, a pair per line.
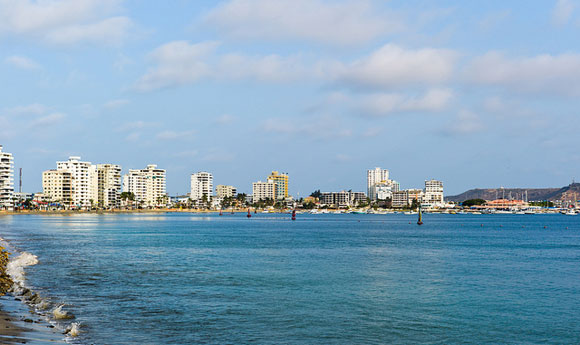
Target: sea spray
15,267
74,329
60,314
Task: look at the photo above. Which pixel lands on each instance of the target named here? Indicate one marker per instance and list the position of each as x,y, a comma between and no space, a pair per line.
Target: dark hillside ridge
534,194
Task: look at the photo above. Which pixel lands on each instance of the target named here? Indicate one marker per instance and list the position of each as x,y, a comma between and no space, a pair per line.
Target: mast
420,220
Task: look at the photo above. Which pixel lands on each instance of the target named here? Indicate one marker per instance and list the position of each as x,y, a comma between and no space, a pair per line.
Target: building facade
148,185
281,182
57,187
342,198
6,179
109,185
84,181
201,184
433,195
263,190
374,177
225,191
405,197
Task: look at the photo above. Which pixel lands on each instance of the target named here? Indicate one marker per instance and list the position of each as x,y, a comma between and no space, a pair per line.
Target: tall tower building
148,185
109,185
201,184
376,176
6,179
281,183
433,193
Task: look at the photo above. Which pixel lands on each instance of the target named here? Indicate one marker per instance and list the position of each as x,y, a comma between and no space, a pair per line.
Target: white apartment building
374,177
433,195
263,190
57,186
201,184
109,185
84,181
148,185
6,179
225,191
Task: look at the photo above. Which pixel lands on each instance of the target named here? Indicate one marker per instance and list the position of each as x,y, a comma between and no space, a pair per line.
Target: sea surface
322,279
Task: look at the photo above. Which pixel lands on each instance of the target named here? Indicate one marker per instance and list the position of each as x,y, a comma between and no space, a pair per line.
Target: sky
472,93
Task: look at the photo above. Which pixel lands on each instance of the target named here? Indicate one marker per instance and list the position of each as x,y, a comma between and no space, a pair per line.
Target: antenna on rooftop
20,182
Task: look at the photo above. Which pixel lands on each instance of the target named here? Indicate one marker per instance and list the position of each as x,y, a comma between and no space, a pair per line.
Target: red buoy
293,214
249,214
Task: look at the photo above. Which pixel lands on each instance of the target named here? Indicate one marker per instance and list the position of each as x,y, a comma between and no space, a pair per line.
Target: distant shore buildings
6,179
201,186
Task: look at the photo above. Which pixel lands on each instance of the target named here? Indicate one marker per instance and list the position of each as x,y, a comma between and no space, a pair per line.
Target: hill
564,193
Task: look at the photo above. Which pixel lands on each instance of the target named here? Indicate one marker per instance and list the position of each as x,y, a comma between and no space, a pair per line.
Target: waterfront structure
263,190
148,185
405,198
342,198
57,187
281,182
225,191
433,195
201,185
6,179
108,185
83,181
381,191
375,176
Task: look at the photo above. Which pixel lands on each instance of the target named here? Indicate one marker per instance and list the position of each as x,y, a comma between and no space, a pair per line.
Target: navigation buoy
221,213
249,214
293,214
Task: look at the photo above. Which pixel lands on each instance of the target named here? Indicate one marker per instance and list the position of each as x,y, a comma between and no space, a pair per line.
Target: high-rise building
281,182
84,181
225,191
433,195
263,190
57,186
6,179
109,185
201,184
148,186
375,176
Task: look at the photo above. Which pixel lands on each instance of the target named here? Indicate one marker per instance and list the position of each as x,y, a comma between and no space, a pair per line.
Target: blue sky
474,93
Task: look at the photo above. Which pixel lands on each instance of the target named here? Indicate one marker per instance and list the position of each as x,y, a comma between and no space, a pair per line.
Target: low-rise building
405,198
342,198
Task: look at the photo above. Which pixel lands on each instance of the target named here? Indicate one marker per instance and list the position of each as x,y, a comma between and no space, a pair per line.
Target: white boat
571,213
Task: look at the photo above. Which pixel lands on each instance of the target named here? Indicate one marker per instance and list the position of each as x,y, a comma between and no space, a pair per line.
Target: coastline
18,323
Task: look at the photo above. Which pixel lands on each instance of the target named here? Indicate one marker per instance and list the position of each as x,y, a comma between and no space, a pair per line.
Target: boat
571,213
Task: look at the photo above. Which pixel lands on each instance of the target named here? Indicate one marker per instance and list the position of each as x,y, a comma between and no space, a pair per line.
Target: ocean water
322,279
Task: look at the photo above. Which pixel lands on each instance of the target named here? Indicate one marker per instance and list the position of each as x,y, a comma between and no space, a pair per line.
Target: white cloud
387,103
116,103
547,74
64,21
180,63
173,135
347,22
562,12
22,62
392,66
47,120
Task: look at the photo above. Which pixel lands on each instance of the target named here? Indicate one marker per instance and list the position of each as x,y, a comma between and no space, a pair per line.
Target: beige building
57,186
433,193
148,186
263,190
225,191
6,179
80,182
405,197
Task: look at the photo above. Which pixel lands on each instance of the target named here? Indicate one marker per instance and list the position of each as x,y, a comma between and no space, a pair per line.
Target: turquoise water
322,279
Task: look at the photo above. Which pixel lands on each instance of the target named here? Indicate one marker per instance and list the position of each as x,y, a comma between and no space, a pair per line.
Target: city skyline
400,84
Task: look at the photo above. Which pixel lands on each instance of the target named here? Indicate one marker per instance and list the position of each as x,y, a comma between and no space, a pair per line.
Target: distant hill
536,194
